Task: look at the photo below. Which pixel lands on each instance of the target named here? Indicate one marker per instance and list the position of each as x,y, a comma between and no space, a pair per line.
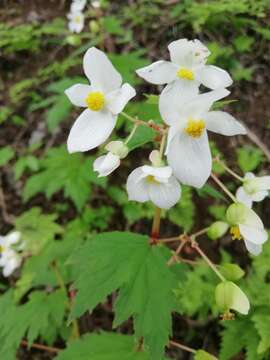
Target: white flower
106,164
76,21
253,189
104,99
95,4
185,72
155,183
77,5
188,149
9,258
246,225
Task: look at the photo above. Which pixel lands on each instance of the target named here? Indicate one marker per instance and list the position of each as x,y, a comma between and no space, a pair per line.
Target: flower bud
94,26
236,213
217,230
155,158
73,40
230,297
204,355
117,148
231,271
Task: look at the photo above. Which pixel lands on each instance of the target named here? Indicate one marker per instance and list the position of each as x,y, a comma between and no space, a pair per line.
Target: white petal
253,234
9,268
106,164
214,77
173,97
259,196
165,195
202,103
137,189
159,73
243,197
188,53
262,183
254,249
90,130
78,93
161,174
117,100
100,71
190,159
13,238
223,123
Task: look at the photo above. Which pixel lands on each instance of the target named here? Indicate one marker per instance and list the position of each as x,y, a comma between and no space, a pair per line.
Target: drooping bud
117,148
230,297
231,272
217,230
155,158
236,213
204,355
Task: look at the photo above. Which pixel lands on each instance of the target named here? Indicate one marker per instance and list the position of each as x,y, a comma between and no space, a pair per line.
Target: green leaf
203,355
104,346
231,272
126,262
37,229
208,190
249,158
6,154
60,170
142,136
27,162
113,25
261,322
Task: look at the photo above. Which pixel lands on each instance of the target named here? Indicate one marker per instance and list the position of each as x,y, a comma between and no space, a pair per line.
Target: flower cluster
187,114
10,247
76,16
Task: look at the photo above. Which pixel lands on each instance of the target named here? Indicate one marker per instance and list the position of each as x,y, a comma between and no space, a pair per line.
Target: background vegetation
56,201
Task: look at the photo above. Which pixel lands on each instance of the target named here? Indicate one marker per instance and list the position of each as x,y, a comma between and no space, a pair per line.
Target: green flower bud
217,230
231,271
117,148
204,355
94,26
236,213
73,40
230,297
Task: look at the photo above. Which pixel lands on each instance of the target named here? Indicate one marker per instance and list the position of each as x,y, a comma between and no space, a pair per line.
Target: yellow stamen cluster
95,100
235,233
151,179
185,73
77,19
2,249
195,128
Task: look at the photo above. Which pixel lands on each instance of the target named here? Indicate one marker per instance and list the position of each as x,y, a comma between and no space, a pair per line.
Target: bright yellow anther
195,128
235,233
2,249
185,73
95,100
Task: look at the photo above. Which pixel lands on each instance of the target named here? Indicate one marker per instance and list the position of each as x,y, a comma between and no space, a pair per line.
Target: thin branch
184,239
9,219
257,141
41,347
223,187
182,347
230,171
149,123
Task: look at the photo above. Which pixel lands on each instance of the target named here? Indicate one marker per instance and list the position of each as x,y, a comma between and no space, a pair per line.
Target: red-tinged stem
182,347
155,226
41,347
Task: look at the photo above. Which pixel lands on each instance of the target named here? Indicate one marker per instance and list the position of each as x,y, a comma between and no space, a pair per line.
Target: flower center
95,100
185,73
2,249
195,128
77,19
235,233
151,179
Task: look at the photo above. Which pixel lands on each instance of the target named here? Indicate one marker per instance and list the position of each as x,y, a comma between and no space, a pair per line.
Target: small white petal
223,123
77,94
243,197
188,53
214,77
254,249
190,159
100,71
259,196
161,174
106,164
252,234
202,103
159,73
91,129
117,100
165,195
173,98
137,189
13,238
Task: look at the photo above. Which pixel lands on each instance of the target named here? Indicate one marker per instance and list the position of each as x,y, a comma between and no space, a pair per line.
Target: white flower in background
254,189
77,5
185,72
155,183
106,164
247,225
95,4
188,149
104,99
10,260
76,21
